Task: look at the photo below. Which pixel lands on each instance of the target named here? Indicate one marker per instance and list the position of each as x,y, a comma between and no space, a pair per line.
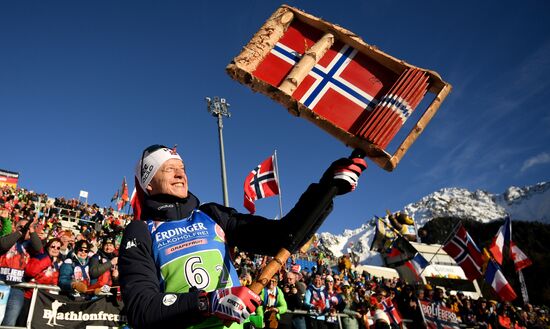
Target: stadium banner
53,310
8,178
438,316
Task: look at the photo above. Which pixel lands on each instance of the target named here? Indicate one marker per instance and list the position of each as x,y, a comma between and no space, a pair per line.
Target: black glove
344,174
26,227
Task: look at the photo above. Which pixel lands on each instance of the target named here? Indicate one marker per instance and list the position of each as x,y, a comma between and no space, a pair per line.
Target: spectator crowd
35,246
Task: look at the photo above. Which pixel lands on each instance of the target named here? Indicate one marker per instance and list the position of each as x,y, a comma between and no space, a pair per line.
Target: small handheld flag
262,182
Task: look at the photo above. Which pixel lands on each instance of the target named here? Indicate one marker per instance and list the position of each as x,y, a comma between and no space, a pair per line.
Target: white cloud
536,160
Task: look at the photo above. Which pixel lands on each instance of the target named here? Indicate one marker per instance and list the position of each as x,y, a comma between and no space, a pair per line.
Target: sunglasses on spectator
83,250
55,247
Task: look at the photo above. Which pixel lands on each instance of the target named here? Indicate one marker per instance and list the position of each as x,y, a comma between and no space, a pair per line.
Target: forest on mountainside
533,238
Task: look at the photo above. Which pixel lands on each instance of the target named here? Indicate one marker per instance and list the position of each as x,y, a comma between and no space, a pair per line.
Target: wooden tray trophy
330,76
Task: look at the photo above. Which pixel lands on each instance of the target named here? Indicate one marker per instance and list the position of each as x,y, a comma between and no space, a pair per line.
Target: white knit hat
151,160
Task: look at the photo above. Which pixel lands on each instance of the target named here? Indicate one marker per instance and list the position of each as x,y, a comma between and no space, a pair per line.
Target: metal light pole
219,107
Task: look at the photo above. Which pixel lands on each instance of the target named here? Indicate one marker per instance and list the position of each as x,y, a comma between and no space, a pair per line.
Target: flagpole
279,185
523,287
453,231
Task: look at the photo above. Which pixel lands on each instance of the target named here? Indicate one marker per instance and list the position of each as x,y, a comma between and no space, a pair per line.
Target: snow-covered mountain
531,203
526,203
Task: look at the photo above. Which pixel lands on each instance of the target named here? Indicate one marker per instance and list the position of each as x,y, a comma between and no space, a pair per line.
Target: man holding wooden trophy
175,267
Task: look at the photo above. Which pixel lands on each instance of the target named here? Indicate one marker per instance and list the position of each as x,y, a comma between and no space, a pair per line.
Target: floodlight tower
218,107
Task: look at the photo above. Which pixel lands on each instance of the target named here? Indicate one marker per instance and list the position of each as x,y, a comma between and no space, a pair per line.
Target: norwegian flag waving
391,311
262,182
466,253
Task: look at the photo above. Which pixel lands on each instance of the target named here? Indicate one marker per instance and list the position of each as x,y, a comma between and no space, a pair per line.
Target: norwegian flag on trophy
262,182
342,79
466,253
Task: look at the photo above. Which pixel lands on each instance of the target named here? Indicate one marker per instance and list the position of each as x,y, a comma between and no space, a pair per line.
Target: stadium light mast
219,107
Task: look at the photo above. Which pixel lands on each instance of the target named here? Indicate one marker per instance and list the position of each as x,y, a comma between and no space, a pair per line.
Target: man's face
291,279
170,179
272,283
317,281
109,247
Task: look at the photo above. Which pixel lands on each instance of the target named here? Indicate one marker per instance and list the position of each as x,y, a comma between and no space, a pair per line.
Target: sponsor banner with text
60,311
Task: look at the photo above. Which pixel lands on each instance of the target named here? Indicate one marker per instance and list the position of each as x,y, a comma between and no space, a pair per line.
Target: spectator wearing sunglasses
74,274
42,268
175,266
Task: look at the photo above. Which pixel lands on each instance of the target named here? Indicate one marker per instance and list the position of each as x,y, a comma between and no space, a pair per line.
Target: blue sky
85,86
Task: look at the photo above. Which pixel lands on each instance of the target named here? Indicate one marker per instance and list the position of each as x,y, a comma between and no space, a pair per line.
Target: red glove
344,174
233,304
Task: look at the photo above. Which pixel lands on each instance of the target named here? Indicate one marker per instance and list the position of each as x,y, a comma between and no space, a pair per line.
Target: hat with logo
152,158
107,240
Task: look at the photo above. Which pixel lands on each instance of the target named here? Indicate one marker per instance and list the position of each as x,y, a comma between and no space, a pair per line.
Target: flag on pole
124,195
496,279
466,253
419,263
504,235
262,182
520,259
115,196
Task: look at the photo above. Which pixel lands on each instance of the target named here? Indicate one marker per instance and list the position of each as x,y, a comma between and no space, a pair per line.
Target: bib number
203,269
195,274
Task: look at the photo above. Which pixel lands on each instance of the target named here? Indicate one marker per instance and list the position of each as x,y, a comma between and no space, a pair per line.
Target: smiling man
175,265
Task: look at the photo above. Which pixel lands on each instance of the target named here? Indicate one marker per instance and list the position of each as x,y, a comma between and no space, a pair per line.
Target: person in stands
273,304
74,274
316,302
104,264
42,268
174,263
15,251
